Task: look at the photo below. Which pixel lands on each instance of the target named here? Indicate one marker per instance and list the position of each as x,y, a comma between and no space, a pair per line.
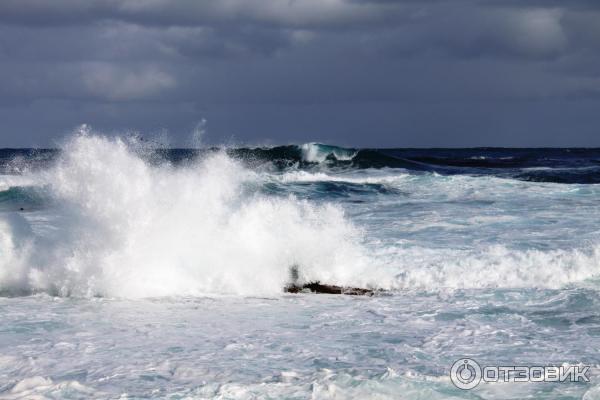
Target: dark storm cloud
358,72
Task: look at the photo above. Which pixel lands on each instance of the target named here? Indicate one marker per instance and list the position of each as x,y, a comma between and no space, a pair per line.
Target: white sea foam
120,226
316,152
111,224
490,267
39,387
126,228
8,181
390,178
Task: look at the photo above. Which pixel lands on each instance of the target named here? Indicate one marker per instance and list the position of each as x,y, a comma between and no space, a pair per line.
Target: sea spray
317,153
127,228
119,217
481,264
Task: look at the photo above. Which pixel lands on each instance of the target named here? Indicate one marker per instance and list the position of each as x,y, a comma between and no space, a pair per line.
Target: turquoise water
130,275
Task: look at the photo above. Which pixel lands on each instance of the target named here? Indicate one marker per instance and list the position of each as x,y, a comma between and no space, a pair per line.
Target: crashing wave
118,222
125,227
318,153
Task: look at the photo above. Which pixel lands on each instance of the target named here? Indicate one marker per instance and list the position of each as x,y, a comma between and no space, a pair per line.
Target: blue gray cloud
354,72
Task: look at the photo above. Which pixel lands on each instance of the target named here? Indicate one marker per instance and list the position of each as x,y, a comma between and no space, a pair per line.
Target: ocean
131,271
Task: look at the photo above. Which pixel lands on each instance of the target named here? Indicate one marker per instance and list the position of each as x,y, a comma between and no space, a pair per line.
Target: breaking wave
568,166
121,220
124,227
316,152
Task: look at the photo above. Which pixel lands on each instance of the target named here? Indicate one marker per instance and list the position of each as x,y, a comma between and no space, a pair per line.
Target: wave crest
317,153
119,223
124,227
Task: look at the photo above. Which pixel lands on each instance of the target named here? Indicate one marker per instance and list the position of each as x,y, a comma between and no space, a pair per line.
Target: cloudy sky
350,72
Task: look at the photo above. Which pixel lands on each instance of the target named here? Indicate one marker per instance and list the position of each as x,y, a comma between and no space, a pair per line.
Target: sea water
132,271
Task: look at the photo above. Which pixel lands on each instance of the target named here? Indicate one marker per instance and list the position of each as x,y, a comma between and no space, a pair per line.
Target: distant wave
536,165
22,197
316,152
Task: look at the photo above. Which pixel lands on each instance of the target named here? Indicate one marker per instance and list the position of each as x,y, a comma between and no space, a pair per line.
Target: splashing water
120,224
128,228
156,258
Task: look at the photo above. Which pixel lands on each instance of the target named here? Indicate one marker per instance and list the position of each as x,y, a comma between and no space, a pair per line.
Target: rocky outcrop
317,287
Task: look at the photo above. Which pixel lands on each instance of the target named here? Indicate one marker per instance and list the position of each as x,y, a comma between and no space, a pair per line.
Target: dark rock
317,287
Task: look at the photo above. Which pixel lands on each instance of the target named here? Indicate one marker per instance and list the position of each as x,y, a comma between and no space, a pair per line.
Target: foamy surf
107,219
317,152
127,228
160,273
